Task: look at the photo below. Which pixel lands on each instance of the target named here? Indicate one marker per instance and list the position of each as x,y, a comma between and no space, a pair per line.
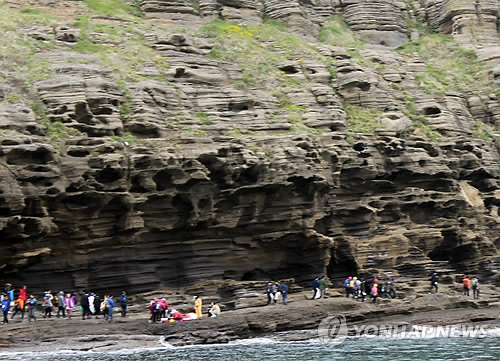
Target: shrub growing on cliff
258,50
120,47
114,7
362,120
336,32
19,62
448,66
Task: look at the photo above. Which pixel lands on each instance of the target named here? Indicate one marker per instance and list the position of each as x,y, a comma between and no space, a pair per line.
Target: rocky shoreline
297,321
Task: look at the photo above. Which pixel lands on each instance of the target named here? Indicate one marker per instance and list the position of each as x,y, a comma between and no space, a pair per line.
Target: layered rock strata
183,174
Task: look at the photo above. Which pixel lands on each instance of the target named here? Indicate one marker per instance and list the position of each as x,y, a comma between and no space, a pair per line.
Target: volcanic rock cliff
160,143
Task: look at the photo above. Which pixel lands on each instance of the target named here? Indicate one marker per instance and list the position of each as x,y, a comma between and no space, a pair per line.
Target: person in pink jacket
374,293
69,304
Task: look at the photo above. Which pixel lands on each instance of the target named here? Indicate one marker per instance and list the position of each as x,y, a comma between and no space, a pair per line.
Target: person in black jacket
84,302
434,282
269,290
97,305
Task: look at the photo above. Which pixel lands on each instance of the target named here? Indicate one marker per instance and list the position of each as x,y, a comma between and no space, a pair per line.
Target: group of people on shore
471,283
160,312
274,290
91,305
358,288
467,282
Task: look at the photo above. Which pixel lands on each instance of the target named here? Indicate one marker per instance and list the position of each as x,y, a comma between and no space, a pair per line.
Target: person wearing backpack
124,303
346,286
47,304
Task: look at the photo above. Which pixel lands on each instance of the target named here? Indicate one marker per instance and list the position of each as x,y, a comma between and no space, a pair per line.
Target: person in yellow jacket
197,306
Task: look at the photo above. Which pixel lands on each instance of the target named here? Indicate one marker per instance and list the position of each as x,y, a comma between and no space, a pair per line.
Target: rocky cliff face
204,141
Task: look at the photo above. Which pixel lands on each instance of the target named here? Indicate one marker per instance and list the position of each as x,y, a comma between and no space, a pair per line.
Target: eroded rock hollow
202,140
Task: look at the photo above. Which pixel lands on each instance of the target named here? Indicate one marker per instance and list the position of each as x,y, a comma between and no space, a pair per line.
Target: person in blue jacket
5,307
111,305
284,292
124,303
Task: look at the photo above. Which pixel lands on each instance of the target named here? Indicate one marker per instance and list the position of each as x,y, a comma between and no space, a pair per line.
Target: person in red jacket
466,285
22,294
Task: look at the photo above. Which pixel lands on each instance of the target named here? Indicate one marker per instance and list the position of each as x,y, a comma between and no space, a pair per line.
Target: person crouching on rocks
214,310
175,316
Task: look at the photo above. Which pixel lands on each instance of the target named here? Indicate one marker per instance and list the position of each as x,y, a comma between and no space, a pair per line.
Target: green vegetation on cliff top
449,67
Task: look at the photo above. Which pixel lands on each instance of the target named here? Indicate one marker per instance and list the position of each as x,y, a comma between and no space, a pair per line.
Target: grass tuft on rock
449,67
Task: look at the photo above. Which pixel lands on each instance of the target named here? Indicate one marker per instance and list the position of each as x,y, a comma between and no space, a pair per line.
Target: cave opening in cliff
255,274
108,175
342,262
289,69
432,111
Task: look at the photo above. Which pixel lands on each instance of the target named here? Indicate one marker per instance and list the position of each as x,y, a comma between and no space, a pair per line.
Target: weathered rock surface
217,183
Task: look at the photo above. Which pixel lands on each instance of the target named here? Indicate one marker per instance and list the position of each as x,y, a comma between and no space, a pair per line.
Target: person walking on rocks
84,303
111,305
5,302
124,303
19,307
347,286
322,287
274,292
466,283
362,289
47,304
69,304
22,294
60,305
315,287
269,288
284,292
9,291
97,305
91,304
197,306
475,288
434,282
374,293
31,307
